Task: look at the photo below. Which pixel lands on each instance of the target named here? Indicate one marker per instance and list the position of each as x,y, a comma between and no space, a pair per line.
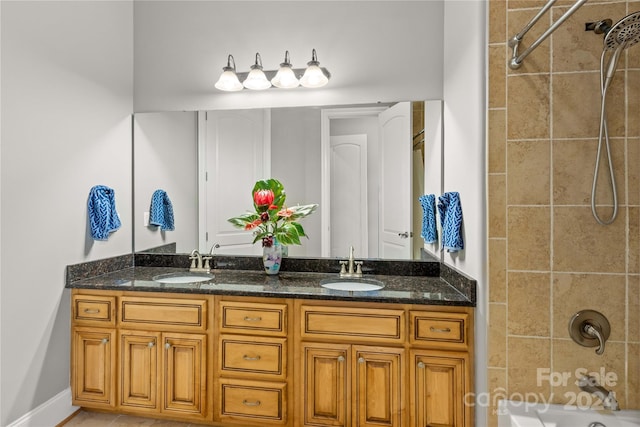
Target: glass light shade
285,78
313,77
228,81
256,80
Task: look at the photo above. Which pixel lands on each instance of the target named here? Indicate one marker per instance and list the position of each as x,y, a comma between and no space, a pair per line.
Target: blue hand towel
101,209
451,221
429,230
161,211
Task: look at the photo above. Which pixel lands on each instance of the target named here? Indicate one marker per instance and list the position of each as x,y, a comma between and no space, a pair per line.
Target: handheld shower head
625,32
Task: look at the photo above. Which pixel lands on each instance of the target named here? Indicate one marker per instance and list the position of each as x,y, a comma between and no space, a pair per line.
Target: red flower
285,213
263,197
252,225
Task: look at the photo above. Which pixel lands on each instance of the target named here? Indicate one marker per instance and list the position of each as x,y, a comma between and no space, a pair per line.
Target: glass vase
272,258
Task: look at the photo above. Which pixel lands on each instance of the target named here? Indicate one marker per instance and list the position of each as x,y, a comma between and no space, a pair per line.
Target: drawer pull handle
104,340
249,403
440,330
421,365
91,311
252,319
340,358
245,357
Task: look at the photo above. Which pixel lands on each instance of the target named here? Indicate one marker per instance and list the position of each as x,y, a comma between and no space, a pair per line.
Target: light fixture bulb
257,80
313,76
228,80
285,78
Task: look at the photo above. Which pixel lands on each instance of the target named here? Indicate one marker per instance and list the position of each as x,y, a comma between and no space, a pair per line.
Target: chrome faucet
590,385
197,262
347,268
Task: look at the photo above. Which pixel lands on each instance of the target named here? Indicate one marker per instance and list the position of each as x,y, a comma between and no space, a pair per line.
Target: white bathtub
522,414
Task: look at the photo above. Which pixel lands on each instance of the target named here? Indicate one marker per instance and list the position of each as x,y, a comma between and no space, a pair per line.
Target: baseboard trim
50,413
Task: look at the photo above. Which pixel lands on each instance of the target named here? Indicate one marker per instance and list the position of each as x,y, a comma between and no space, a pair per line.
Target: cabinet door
439,382
139,369
379,372
326,385
185,374
93,367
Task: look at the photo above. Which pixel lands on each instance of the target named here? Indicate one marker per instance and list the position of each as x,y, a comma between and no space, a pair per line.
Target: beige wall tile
575,49
605,293
634,240
574,361
497,76
528,163
633,376
580,244
497,379
633,172
497,206
529,238
497,270
528,107
633,99
526,4
528,304
633,302
573,168
497,336
576,106
497,141
526,357
498,21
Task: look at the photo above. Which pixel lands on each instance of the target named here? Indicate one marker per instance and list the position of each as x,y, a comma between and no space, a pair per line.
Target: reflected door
395,187
237,146
348,218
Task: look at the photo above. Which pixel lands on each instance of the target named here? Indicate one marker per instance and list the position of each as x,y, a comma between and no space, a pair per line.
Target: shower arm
514,43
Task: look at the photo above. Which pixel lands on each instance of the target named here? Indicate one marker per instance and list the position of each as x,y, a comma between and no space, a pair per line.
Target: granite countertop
432,290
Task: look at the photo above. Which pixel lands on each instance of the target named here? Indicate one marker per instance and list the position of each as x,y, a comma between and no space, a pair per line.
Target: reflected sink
177,278
353,285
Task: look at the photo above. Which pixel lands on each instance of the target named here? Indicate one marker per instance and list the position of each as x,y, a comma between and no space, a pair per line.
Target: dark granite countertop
433,290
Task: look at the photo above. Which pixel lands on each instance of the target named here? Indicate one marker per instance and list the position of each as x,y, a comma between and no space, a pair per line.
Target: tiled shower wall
548,258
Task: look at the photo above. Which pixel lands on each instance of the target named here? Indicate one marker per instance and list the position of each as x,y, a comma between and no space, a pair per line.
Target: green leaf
242,220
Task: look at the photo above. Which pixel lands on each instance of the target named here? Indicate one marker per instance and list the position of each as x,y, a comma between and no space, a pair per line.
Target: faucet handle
358,267
343,267
206,260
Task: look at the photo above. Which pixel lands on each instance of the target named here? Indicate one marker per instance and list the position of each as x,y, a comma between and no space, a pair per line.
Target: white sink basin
177,278
353,285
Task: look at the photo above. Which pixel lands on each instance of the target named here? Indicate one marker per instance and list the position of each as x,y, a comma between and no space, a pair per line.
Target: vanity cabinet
253,362
258,361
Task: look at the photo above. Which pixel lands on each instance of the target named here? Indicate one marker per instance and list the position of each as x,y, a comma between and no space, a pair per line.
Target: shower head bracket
599,27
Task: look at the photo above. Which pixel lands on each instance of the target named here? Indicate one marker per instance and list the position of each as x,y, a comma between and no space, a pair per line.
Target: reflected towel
450,212
429,230
101,209
161,211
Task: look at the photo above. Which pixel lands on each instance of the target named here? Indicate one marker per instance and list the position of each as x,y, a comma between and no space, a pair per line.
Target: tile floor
96,419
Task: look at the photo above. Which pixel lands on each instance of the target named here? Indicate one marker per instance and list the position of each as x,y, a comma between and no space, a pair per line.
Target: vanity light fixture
228,80
286,76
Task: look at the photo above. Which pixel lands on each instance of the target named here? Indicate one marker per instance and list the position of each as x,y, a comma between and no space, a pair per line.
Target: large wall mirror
365,165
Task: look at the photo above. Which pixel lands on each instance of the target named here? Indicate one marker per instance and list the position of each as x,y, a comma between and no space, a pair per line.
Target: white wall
166,157
464,153
65,111
375,50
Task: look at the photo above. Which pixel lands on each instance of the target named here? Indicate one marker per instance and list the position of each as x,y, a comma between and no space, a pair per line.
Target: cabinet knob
249,403
245,357
421,365
104,340
151,344
360,359
340,358
167,345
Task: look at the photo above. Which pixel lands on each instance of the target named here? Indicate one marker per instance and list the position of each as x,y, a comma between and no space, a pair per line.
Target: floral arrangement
272,219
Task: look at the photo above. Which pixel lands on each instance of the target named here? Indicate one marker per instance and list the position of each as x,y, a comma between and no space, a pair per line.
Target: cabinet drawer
252,357
91,309
353,324
164,313
246,317
254,402
439,330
